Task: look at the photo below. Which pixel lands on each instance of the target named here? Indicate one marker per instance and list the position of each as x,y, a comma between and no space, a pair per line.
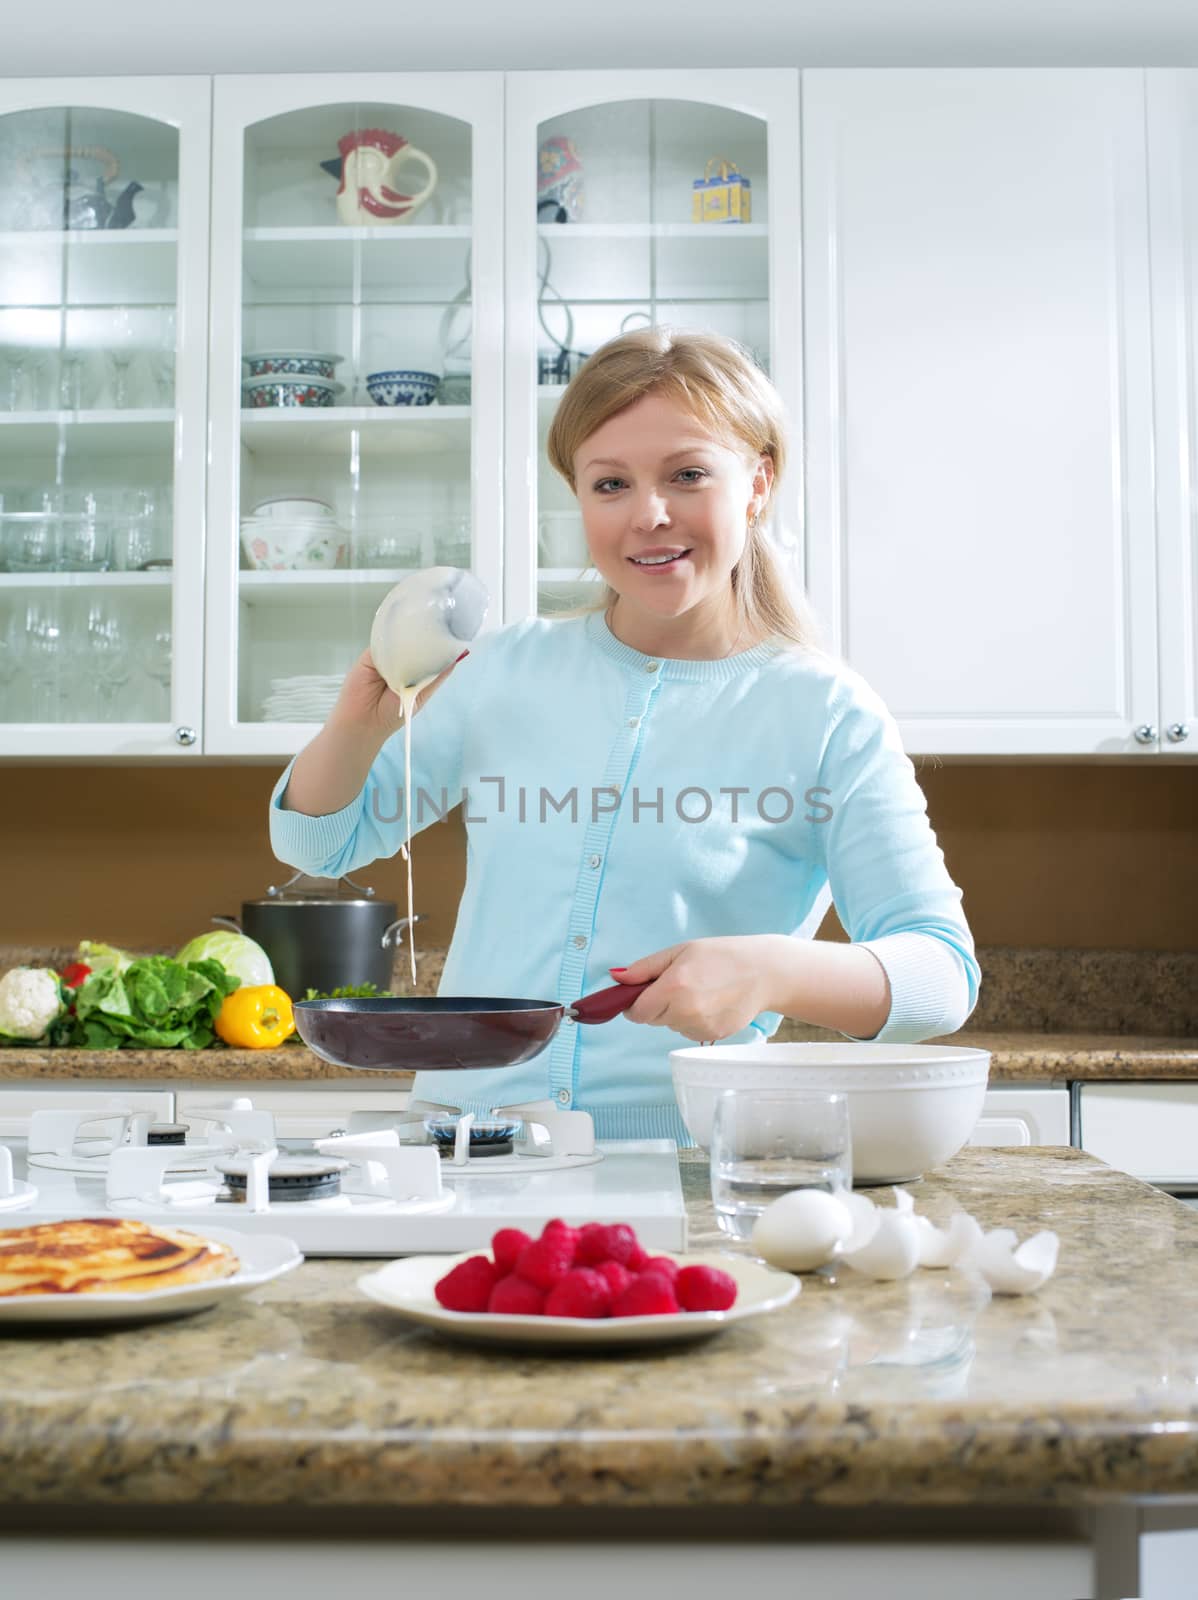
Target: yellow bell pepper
257,1018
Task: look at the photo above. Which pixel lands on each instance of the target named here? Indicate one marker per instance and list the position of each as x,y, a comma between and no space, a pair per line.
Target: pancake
107,1255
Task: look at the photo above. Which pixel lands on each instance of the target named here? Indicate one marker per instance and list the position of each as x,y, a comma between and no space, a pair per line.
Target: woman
667,787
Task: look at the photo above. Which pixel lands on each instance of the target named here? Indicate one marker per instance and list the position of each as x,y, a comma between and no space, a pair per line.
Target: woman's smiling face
666,505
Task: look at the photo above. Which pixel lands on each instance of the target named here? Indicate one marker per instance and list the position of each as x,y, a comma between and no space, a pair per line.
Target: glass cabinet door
103,313
357,306
636,199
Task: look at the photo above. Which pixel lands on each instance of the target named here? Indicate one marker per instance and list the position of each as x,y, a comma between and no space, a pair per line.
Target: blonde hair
720,384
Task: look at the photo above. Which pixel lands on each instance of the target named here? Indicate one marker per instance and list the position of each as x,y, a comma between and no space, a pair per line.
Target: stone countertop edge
924,1392
1016,1058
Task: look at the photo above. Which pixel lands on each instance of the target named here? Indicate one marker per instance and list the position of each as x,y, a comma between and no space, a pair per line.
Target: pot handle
227,922
605,1004
392,937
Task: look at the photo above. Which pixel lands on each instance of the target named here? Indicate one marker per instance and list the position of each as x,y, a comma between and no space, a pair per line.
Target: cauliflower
30,1000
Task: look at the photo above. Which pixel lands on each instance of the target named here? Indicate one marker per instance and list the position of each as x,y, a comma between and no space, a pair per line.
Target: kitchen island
918,1431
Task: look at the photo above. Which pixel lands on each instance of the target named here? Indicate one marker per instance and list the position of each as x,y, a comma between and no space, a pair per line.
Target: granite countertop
1016,1058
925,1392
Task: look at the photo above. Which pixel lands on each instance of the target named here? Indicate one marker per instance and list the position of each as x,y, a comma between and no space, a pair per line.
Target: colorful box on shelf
725,196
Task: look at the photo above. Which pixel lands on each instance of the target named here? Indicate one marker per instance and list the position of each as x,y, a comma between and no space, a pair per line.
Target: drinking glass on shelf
154,655
45,647
108,658
72,370
86,544
162,364
765,1142
10,662
35,542
16,363
121,351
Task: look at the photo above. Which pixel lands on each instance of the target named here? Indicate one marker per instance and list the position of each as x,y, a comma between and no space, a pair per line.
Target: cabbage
102,957
243,957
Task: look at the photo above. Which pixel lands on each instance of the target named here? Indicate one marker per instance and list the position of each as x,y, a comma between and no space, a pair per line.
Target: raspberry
618,1277
704,1289
506,1245
546,1260
613,1241
583,1292
467,1287
664,1266
516,1297
648,1295
562,1230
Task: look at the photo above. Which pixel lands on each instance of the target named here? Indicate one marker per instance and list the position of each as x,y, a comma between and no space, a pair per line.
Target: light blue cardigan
617,803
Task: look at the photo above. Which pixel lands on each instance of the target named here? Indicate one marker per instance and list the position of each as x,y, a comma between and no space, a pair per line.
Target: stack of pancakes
107,1255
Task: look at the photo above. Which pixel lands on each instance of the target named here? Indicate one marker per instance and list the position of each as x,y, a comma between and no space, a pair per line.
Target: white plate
407,1287
263,1256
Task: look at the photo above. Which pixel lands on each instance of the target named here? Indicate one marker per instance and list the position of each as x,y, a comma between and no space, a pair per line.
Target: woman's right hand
367,705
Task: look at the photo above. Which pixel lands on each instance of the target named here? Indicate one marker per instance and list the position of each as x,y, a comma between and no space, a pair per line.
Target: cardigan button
563,1097
579,941
652,666
593,861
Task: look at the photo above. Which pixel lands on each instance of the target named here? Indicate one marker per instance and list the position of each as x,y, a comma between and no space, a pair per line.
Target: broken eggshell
1012,1269
886,1244
946,1247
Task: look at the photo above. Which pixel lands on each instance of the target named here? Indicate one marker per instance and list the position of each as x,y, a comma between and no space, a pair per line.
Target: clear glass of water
765,1142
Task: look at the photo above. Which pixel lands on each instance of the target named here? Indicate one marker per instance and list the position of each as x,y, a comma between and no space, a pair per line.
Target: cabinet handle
185,736
1177,733
1146,733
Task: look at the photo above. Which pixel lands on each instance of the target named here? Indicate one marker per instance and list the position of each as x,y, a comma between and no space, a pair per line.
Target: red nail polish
462,657
617,969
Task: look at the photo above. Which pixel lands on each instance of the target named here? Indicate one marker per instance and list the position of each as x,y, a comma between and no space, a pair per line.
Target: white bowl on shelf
911,1106
294,508
272,545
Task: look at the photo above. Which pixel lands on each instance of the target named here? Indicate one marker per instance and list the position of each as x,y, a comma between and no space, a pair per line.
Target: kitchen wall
1051,856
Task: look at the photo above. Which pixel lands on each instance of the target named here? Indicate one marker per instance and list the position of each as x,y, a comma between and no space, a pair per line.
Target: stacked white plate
307,698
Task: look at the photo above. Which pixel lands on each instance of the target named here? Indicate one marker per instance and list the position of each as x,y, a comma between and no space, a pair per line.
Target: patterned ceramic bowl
404,388
294,363
296,547
258,393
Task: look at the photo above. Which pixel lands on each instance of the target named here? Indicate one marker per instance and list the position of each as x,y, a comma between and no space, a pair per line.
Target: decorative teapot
368,170
67,202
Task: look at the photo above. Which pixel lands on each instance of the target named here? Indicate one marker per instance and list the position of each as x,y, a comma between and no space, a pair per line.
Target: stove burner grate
167,1133
290,1178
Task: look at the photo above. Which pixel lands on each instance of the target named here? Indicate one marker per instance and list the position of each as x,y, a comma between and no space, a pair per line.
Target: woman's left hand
705,989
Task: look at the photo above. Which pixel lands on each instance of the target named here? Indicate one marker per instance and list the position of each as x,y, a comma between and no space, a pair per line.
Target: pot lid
302,889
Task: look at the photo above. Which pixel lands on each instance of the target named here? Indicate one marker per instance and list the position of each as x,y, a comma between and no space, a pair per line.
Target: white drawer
1147,1129
1023,1116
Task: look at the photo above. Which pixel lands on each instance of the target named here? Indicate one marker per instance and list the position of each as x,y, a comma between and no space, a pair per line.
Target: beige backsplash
1128,992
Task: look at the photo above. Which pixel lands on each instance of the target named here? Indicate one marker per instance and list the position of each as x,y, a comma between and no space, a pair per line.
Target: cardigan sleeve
890,885
372,825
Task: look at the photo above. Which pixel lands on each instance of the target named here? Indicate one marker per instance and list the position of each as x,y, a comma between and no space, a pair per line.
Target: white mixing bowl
911,1107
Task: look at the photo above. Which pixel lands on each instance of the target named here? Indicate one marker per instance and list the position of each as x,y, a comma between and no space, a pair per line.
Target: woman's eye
697,470
601,486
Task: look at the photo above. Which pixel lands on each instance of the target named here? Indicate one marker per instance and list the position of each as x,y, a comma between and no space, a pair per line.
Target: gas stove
425,1180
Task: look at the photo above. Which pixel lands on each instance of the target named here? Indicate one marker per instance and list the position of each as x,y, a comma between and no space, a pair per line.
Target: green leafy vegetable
349,991
238,954
155,1003
102,957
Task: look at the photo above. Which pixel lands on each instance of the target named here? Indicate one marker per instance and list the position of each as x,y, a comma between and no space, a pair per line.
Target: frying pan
445,1032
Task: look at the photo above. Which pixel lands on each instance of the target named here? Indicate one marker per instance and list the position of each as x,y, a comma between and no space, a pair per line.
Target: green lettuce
154,1003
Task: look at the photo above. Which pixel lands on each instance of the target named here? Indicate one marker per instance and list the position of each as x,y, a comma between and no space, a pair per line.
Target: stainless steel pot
323,933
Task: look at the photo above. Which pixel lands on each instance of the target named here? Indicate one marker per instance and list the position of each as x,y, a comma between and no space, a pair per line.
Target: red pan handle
605,1004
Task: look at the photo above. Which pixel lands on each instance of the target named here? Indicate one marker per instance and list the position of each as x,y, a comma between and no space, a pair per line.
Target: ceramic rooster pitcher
371,191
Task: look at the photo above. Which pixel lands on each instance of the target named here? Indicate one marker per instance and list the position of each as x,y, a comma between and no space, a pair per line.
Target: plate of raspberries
594,1284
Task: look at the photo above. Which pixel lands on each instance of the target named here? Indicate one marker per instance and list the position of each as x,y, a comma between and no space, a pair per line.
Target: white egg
801,1230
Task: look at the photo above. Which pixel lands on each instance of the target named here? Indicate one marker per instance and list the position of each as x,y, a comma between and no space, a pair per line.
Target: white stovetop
636,1181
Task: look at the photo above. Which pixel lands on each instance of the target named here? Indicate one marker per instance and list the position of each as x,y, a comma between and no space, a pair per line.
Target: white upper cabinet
1173,208
103,322
977,336
354,379
604,174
